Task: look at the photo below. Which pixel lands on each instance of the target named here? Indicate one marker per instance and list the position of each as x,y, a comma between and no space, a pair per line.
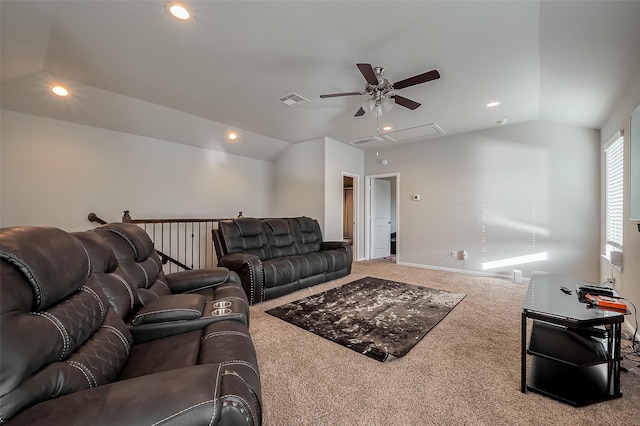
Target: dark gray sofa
274,257
67,356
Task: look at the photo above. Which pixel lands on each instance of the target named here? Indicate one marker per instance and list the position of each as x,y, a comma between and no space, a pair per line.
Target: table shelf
574,349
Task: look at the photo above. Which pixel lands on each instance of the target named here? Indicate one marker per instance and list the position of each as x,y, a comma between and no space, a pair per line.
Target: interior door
381,218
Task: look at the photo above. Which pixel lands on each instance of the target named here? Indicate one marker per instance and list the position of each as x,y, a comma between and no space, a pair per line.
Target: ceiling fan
382,92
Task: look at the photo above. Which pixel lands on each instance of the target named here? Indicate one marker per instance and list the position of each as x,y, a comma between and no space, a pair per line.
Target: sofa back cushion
280,236
307,233
118,288
245,235
59,334
137,257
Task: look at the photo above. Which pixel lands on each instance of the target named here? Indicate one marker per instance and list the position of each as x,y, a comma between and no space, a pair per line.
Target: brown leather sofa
274,257
67,357
176,302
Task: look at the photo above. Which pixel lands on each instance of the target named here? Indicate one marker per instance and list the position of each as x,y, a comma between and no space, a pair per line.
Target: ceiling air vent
416,133
293,100
371,139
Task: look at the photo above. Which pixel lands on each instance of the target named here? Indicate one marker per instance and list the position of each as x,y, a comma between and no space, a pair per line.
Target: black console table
574,348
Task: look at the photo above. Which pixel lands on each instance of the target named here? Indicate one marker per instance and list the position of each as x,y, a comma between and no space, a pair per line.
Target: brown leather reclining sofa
274,257
94,333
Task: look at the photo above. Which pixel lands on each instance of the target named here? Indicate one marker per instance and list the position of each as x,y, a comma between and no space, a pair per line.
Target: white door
381,218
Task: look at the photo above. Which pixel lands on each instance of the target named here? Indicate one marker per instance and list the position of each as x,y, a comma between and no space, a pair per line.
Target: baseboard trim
461,271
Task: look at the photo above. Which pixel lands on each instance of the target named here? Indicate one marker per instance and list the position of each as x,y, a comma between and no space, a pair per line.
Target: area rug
378,318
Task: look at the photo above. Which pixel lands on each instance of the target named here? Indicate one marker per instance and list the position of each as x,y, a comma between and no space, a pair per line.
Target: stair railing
182,244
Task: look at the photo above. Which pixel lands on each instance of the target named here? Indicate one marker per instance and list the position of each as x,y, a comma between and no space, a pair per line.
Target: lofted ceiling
133,68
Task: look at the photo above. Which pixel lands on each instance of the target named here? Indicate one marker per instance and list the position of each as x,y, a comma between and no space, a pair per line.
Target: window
614,195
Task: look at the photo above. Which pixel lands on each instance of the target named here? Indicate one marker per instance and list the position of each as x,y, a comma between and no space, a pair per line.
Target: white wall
339,158
309,182
54,173
500,193
299,181
627,281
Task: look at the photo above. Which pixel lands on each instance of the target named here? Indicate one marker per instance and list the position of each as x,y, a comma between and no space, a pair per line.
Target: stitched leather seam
125,237
88,261
126,286
95,296
63,332
240,362
165,284
86,371
160,311
118,334
27,269
215,392
224,333
146,277
182,412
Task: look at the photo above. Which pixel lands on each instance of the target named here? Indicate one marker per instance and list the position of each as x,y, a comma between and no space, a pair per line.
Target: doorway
350,210
382,206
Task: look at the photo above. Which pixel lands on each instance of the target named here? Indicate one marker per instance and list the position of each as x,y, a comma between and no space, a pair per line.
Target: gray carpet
465,371
379,318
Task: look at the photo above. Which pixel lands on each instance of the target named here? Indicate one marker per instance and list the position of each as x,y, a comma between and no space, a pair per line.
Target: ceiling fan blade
407,103
368,73
334,95
417,79
359,113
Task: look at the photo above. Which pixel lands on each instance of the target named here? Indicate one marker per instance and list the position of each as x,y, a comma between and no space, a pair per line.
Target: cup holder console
221,308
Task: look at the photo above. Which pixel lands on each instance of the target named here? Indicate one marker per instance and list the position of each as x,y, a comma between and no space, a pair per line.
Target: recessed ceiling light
232,136
386,128
60,90
179,11
493,104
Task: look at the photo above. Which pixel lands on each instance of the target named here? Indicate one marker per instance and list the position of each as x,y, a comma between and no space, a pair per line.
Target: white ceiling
133,68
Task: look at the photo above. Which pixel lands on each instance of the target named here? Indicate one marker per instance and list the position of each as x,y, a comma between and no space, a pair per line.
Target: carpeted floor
465,371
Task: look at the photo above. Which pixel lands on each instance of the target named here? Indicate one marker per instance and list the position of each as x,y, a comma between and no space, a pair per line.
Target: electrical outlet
454,253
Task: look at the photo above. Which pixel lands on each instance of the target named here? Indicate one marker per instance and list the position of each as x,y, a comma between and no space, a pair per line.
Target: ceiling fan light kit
382,92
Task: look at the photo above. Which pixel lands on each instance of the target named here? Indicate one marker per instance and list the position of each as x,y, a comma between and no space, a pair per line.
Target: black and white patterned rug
378,318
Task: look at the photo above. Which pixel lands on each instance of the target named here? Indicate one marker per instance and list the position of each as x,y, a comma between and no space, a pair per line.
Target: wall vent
293,100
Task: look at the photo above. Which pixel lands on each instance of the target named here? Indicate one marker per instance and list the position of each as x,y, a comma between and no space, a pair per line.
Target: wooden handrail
94,218
126,218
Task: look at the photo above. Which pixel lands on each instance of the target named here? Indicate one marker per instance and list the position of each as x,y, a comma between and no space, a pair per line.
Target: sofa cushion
307,233
280,236
116,285
280,271
54,265
336,259
55,345
245,235
138,259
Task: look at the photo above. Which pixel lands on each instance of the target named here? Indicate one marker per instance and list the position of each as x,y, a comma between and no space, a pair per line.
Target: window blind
614,169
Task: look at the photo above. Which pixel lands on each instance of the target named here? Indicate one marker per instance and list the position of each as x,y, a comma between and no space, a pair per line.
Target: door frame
356,211
369,222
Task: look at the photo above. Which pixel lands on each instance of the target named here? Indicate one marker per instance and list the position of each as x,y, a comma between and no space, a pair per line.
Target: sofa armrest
333,245
249,269
196,279
171,308
181,313
208,394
